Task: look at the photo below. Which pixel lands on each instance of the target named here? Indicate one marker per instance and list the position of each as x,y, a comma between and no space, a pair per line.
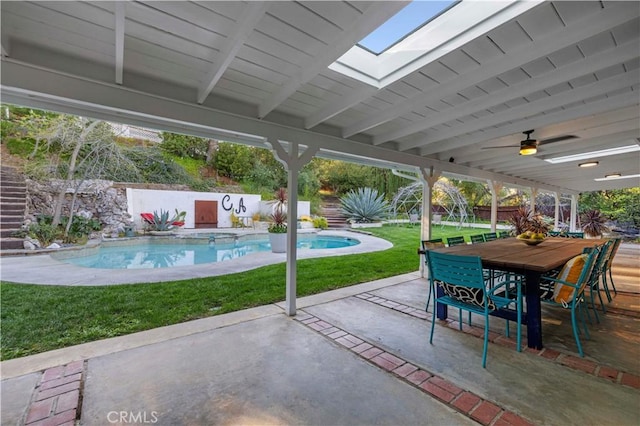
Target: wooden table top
510,254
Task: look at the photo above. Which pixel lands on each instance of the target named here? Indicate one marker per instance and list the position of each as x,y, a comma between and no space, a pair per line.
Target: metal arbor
408,200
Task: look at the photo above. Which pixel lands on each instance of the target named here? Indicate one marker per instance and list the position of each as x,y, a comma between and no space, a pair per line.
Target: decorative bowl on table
530,240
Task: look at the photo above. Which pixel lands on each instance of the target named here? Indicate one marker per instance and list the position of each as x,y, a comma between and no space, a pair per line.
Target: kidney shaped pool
167,253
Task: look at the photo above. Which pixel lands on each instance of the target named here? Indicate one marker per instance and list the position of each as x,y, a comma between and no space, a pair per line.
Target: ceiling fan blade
503,146
557,139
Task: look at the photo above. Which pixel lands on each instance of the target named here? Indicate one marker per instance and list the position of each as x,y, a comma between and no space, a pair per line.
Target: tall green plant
364,205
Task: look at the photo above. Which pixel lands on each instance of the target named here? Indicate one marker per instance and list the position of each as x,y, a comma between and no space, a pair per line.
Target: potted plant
278,232
161,223
593,223
524,220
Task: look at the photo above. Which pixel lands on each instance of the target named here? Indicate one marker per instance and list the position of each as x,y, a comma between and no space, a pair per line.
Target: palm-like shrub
593,223
364,205
278,223
525,220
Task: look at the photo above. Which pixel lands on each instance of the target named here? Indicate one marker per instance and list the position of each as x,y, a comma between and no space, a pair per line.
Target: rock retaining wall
95,199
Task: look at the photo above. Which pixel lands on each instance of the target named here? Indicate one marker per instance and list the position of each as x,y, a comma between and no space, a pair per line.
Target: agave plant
593,223
364,205
162,221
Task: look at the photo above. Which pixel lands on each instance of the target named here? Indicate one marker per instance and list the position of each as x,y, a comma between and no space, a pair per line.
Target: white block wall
150,200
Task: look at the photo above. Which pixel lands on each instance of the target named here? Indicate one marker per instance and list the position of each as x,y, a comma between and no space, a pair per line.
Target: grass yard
38,318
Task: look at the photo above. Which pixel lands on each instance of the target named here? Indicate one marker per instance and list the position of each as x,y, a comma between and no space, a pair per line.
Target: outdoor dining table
513,255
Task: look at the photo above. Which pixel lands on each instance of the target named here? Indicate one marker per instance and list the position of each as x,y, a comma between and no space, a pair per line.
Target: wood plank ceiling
560,67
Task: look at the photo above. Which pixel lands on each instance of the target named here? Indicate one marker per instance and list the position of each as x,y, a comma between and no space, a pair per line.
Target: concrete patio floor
354,356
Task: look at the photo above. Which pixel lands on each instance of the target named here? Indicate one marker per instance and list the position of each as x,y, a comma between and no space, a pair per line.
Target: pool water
168,255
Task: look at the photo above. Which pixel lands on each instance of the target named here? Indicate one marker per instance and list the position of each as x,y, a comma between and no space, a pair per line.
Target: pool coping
43,269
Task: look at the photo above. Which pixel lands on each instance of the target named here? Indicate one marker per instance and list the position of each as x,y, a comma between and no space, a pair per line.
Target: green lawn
38,318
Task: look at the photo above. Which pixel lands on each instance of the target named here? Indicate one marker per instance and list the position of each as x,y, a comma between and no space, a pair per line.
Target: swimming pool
168,253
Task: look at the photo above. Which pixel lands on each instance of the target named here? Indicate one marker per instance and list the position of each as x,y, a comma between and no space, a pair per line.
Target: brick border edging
463,401
57,397
572,361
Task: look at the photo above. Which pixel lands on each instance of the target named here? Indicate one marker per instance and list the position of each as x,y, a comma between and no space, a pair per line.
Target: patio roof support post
574,213
556,212
534,194
495,187
428,179
293,162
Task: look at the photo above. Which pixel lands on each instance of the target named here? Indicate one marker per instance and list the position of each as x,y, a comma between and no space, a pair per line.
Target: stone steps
13,202
332,212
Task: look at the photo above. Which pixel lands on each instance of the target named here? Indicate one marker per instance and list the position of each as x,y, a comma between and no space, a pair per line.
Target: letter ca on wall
227,205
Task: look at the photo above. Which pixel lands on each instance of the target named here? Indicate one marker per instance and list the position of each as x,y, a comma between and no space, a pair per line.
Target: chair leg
486,341
574,324
605,286
589,316
593,304
433,320
519,320
604,308
584,324
613,285
426,309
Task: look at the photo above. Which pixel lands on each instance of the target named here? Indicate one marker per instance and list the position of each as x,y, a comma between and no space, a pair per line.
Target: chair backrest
554,233
612,252
457,270
601,256
478,238
454,241
461,278
578,277
490,236
504,234
432,244
575,234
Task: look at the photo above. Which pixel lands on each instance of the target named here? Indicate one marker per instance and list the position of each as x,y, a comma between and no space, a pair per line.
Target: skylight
415,15
442,30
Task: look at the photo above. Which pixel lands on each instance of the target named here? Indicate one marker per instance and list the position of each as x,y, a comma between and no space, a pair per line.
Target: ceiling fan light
612,175
589,164
528,148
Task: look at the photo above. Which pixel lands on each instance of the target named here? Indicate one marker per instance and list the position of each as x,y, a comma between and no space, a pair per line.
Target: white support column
534,194
293,161
556,212
574,213
428,179
495,187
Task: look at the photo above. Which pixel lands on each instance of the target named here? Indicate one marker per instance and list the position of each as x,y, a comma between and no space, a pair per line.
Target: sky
414,15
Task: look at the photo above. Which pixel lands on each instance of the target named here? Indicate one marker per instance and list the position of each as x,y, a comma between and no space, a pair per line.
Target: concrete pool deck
44,269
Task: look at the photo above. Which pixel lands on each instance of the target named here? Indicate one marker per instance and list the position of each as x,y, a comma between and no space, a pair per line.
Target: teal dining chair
463,286
490,236
477,238
567,290
595,277
607,276
504,234
454,241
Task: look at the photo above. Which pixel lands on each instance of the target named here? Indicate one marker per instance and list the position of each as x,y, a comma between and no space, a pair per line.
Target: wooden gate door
206,214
